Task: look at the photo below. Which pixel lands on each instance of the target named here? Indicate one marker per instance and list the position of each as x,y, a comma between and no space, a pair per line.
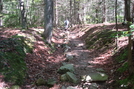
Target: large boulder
66,68
94,77
71,87
69,77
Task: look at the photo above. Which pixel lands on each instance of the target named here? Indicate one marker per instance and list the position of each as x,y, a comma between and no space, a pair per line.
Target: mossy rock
66,68
95,77
15,87
40,82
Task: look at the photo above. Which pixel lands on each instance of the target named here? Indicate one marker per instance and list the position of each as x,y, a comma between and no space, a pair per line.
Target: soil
45,61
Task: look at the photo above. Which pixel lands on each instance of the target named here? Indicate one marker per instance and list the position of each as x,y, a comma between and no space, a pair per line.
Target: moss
12,53
99,38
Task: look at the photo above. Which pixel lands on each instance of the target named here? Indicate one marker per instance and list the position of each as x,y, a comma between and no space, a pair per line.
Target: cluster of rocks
67,71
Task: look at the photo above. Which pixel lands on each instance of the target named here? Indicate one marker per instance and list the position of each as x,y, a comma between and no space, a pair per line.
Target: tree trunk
56,22
116,21
1,8
48,18
71,13
130,45
23,14
105,12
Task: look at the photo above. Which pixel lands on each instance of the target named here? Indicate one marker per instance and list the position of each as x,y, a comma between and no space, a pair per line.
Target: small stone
100,70
63,87
69,56
89,63
93,86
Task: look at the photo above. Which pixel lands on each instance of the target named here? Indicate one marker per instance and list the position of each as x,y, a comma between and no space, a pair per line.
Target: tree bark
48,19
130,45
23,14
116,21
1,8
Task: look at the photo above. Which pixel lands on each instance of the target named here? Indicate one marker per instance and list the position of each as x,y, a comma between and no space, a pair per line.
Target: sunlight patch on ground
81,44
73,37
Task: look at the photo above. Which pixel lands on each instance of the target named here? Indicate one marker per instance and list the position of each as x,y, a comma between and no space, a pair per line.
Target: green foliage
120,18
127,82
123,68
122,56
12,63
11,20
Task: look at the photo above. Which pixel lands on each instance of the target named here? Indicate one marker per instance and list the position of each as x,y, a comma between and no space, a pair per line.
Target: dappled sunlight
3,84
57,41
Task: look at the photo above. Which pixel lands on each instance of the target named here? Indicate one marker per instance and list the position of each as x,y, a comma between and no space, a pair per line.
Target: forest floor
44,61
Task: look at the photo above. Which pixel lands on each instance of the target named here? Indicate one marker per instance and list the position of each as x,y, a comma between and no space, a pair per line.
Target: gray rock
63,87
69,56
66,68
100,70
94,77
71,77
63,77
93,86
51,82
71,87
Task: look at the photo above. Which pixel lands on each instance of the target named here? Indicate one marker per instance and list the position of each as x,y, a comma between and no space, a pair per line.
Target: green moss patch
12,64
100,38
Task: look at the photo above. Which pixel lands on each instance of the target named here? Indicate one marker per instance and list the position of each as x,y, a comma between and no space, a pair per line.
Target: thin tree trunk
71,13
116,23
56,22
1,8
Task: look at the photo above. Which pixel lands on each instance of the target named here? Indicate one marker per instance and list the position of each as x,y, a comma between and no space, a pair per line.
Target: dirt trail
82,60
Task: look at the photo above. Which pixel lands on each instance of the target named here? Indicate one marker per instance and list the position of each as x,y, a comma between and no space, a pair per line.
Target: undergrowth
125,81
12,53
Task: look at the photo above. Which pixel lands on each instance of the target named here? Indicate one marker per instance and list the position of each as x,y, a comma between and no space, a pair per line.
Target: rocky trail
88,76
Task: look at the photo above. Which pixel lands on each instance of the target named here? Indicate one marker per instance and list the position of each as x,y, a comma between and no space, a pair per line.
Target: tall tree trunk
56,22
23,14
48,18
105,12
1,8
130,45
